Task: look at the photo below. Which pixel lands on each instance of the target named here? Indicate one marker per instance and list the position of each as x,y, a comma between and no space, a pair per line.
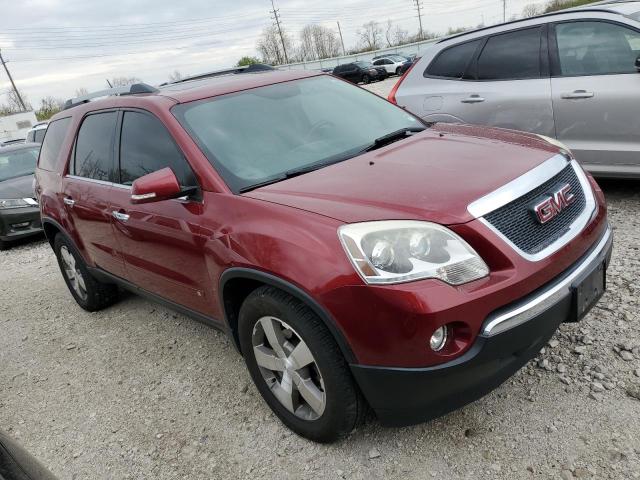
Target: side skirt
107,277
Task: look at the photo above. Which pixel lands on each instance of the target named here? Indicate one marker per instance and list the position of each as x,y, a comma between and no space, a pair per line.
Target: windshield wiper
392,137
295,172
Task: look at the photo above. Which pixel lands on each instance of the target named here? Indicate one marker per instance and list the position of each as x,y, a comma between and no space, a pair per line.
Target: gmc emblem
548,207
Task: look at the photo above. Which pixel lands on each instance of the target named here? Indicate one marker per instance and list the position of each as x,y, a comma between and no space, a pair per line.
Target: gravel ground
137,391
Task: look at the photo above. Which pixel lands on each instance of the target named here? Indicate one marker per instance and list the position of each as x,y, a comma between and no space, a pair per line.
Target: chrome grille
517,223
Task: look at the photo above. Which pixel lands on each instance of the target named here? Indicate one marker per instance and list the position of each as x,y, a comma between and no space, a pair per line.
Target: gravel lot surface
138,391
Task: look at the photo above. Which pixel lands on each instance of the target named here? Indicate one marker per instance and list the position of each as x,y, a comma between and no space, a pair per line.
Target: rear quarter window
52,143
453,61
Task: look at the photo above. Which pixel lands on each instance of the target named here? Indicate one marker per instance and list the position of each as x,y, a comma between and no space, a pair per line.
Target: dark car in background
360,72
19,211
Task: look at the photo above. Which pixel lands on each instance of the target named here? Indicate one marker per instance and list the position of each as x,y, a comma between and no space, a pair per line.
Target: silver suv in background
572,75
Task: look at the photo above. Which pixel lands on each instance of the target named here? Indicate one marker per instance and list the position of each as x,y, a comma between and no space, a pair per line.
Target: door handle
69,201
123,217
577,94
473,99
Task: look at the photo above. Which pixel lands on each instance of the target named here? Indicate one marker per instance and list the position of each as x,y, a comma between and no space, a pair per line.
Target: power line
344,52
276,17
18,96
418,8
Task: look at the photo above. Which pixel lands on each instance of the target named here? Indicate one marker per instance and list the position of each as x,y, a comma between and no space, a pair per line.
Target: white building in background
16,126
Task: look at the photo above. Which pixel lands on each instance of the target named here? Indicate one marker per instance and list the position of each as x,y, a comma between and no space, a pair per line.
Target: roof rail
253,68
126,90
583,8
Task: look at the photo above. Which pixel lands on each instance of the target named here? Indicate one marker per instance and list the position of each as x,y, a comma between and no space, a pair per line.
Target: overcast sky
56,46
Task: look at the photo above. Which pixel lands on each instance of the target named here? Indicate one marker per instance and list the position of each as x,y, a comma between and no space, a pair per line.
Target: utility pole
418,8
344,52
6,69
276,17
504,11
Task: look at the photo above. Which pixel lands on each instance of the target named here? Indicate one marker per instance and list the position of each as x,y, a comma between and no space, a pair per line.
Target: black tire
398,71
345,408
366,79
4,245
98,295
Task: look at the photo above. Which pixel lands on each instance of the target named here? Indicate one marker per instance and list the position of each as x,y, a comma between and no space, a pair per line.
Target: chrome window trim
99,182
531,307
524,184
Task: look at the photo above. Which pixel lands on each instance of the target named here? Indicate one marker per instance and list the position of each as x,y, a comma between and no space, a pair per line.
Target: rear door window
94,147
453,62
146,146
596,48
511,56
50,151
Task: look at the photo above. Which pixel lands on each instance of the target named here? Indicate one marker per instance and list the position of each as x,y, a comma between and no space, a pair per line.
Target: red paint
155,187
179,249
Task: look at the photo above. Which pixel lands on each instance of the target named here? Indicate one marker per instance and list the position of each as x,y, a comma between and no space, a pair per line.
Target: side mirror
638,63
156,186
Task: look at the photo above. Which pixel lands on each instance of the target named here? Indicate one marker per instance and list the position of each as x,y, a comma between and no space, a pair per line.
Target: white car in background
36,134
391,63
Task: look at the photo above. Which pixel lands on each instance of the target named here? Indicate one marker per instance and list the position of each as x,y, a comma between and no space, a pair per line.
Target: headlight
556,143
396,251
17,202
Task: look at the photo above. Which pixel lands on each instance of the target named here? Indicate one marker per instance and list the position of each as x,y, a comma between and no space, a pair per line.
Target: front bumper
16,223
509,338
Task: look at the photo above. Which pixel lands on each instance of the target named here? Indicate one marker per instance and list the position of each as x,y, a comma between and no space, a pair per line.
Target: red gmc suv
357,257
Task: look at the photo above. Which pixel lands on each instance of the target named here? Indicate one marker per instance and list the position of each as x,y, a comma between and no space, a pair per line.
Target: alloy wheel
289,368
73,273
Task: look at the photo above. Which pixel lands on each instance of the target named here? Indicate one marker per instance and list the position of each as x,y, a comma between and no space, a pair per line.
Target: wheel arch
52,228
237,283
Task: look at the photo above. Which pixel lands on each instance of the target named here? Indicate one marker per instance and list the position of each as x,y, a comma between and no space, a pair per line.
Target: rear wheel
88,292
297,366
366,79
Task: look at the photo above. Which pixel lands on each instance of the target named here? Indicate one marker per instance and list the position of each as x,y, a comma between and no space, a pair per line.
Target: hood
432,176
19,187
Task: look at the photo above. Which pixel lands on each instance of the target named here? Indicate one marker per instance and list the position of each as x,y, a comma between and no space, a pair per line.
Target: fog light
439,339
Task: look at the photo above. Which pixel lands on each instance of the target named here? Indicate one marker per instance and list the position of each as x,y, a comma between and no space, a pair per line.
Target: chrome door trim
518,187
99,182
90,180
530,307
123,217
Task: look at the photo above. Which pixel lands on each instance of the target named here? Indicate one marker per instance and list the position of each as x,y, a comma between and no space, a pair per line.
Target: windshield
364,64
258,135
18,163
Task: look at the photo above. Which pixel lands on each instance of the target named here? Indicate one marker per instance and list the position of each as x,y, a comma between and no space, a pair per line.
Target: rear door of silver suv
596,92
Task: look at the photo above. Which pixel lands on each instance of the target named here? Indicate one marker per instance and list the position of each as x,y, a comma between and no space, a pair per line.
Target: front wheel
297,366
366,79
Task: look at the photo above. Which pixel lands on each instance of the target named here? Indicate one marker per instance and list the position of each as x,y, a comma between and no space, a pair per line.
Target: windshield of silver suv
269,133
